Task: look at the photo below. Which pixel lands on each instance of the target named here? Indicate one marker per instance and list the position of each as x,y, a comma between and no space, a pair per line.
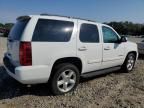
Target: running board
100,72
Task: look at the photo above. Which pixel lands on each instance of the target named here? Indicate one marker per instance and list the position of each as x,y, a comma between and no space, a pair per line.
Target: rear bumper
30,74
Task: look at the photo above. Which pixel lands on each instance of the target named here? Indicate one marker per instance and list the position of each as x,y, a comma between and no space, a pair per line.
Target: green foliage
1,25
142,30
5,28
128,28
8,25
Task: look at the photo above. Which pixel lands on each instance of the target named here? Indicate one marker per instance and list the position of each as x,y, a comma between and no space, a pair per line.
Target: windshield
17,30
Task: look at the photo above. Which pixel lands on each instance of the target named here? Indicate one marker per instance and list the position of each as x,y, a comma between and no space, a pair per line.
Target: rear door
89,47
14,40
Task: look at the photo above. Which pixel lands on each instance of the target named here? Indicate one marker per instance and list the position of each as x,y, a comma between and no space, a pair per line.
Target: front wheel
65,79
129,62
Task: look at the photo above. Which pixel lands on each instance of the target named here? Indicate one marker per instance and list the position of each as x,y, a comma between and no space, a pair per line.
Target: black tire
126,63
57,72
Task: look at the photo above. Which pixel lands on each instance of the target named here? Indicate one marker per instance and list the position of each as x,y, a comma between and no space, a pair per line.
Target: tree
9,25
1,25
127,28
142,30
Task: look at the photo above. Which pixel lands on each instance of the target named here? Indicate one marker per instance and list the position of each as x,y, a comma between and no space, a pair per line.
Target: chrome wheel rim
130,63
66,80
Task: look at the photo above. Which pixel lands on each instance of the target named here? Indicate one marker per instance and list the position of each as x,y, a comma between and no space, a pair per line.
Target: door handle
107,48
82,49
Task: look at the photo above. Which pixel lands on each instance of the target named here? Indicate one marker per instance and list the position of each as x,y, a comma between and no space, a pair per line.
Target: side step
100,72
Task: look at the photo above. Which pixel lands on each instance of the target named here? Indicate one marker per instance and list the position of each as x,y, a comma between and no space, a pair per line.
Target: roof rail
54,15
44,14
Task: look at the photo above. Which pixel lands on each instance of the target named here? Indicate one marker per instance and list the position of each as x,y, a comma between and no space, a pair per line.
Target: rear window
17,30
53,31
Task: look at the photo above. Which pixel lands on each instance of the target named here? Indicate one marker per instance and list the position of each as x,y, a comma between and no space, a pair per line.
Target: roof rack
44,14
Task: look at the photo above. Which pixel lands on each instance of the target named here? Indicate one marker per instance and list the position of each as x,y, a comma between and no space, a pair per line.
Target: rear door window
17,30
53,31
89,33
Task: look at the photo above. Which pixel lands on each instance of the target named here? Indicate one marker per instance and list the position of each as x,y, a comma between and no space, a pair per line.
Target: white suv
59,49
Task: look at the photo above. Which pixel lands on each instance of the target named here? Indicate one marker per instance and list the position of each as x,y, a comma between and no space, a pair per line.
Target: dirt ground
114,90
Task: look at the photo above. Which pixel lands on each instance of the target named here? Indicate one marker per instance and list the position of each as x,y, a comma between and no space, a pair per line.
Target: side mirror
123,39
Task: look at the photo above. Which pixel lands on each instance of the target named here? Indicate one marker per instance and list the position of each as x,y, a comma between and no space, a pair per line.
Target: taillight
25,54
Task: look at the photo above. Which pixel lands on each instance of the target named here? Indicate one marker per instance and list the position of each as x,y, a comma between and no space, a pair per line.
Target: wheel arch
73,60
134,52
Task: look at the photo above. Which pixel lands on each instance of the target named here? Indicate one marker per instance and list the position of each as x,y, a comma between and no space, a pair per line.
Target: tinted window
53,31
18,29
109,35
89,33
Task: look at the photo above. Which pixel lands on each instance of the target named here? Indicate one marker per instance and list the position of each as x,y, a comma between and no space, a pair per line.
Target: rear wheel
65,79
129,62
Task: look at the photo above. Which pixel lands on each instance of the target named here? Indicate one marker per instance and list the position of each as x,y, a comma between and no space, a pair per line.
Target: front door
113,50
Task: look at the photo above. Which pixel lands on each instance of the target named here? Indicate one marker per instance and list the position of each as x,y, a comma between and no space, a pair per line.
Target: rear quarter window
17,30
53,31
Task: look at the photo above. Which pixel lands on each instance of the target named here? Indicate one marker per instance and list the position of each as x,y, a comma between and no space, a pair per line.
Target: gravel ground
136,40
115,90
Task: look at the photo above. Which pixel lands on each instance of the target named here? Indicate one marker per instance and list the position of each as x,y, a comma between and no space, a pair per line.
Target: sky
98,10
